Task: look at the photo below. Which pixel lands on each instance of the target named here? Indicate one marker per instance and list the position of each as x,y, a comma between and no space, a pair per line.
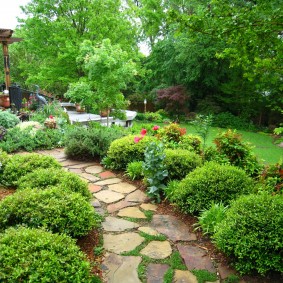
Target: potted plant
5,99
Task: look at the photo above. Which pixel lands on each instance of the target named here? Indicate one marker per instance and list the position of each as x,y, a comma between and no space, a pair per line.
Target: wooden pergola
6,38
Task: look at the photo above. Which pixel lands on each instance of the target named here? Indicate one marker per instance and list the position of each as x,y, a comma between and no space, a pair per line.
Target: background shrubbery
34,255
53,209
8,119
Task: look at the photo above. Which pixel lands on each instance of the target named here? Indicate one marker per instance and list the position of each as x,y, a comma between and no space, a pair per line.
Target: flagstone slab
114,224
94,188
108,196
95,203
119,205
124,242
70,163
83,165
225,271
133,212
155,272
172,227
148,231
106,175
137,196
157,249
94,169
196,258
75,170
149,206
123,188
184,276
108,182
89,177
121,269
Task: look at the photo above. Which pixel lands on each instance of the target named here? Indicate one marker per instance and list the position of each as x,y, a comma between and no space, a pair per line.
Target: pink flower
137,139
143,132
155,128
51,117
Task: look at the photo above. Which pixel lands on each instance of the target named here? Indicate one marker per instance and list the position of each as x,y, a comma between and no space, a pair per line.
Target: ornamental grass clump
211,183
53,209
46,178
252,233
34,255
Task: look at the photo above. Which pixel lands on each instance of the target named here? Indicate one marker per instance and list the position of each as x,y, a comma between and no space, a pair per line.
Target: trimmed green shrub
210,218
190,142
53,209
4,157
124,150
179,162
212,183
8,120
46,178
86,143
252,233
19,165
134,170
30,138
171,133
34,255
238,152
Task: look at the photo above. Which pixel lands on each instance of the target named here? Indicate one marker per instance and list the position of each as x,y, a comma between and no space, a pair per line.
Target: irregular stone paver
114,224
148,231
155,272
195,258
89,177
172,227
108,182
137,196
95,169
123,188
121,269
108,196
81,165
119,205
133,212
95,203
70,162
157,249
106,175
225,271
149,206
94,188
75,170
124,242
100,211
184,276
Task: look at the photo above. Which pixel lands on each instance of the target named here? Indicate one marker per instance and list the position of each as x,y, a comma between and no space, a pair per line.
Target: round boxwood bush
125,150
190,142
252,233
179,162
8,119
34,255
42,178
19,165
212,183
53,209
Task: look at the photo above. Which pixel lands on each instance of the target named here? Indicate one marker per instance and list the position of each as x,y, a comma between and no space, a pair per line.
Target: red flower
137,139
143,132
155,128
51,117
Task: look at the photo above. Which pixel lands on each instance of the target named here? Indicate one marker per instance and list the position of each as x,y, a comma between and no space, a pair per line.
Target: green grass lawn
264,148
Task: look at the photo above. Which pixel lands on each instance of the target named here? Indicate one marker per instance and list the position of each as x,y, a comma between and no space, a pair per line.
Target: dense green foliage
86,143
34,255
19,165
252,233
212,183
46,178
53,209
180,162
4,157
124,150
8,119
134,170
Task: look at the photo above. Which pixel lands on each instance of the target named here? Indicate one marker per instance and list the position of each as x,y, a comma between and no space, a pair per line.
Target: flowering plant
143,133
50,122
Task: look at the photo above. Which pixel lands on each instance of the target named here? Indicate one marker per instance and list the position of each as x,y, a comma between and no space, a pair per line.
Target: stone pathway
121,203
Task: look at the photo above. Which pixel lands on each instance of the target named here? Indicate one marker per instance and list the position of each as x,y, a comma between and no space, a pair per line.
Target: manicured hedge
34,255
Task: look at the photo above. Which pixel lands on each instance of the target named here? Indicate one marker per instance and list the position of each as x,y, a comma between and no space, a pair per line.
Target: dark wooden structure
6,39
